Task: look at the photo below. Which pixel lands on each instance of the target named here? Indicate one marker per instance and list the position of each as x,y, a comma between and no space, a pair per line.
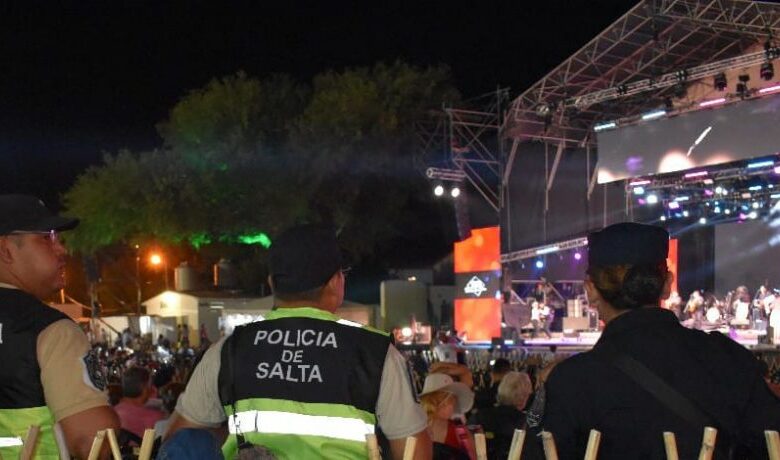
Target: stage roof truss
632,66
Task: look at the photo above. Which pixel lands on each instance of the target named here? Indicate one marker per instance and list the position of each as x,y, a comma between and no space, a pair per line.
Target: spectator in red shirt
134,415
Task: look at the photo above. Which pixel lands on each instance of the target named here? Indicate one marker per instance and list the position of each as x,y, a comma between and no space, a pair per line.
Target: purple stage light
577,256
674,205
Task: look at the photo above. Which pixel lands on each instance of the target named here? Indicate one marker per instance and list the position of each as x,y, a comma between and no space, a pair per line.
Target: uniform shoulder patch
93,371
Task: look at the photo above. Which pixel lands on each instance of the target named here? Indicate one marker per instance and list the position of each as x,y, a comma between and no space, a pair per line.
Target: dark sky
81,78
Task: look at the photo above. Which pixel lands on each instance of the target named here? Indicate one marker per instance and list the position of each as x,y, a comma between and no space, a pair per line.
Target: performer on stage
541,317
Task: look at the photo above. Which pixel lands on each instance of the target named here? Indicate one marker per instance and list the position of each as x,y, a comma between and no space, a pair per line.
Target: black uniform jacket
717,375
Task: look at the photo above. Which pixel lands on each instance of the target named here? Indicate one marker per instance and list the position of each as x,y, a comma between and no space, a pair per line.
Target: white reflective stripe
347,322
11,442
350,429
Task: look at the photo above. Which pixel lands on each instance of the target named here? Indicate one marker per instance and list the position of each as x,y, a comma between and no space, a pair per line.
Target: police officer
303,383
648,374
48,377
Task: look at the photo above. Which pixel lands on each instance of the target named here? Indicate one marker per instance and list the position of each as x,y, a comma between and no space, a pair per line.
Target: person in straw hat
444,399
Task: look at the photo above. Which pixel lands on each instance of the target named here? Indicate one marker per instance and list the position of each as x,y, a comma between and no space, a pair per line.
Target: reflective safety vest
22,402
302,383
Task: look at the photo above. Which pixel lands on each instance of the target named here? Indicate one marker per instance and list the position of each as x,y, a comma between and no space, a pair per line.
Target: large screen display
706,137
748,254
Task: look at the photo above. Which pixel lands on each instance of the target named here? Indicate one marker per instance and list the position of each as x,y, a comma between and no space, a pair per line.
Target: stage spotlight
720,82
742,88
674,205
663,218
577,256
719,190
686,213
639,190
727,211
767,71
702,220
716,210
539,264
438,190
756,205
455,192
753,215
652,199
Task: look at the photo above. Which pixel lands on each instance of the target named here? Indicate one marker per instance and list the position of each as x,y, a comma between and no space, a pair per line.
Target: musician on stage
541,317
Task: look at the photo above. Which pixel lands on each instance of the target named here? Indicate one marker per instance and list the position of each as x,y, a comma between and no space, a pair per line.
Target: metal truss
544,250
463,144
633,65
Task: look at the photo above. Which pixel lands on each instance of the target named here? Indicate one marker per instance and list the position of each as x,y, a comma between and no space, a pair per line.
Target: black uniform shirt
717,375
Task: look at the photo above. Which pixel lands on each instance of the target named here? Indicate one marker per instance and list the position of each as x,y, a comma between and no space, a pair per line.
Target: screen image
748,254
707,137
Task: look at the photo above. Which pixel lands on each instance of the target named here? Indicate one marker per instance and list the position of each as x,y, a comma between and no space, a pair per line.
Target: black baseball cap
26,213
304,258
628,243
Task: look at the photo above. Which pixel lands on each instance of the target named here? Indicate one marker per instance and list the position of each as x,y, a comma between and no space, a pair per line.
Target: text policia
290,367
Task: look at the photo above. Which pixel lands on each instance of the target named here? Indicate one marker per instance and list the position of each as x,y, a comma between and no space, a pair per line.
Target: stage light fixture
455,192
577,256
716,210
777,169
686,213
639,190
720,82
605,126
674,205
756,205
753,215
539,264
767,71
760,164
703,220
652,199
438,190
727,212
663,218
742,88
653,115
719,190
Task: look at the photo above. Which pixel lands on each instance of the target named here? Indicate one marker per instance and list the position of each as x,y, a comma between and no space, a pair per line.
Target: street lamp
157,260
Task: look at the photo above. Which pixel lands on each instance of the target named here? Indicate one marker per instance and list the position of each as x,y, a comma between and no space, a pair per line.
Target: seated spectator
134,416
169,395
499,422
443,399
486,397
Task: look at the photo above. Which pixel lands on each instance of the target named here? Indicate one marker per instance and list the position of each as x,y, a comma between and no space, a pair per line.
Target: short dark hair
134,381
627,287
502,366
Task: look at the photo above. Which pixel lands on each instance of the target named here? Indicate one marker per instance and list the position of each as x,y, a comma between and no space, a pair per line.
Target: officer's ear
6,256
667,290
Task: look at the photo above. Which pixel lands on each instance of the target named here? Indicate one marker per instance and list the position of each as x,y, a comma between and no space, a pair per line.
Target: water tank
225,276
184,278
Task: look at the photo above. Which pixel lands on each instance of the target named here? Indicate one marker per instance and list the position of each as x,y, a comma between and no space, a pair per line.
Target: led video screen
707,137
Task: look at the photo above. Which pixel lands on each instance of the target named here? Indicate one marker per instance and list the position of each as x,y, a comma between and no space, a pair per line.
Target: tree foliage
243,155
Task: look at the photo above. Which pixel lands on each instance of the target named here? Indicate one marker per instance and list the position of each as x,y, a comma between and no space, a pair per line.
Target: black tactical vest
22,318
303,359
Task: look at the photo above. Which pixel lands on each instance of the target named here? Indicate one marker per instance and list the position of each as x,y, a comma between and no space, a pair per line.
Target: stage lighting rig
720,82
767,71
742,88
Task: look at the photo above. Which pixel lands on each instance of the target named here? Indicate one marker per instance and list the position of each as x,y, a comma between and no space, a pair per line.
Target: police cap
304,258
628,243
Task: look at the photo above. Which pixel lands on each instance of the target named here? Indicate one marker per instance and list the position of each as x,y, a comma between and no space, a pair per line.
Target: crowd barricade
515,453
144,451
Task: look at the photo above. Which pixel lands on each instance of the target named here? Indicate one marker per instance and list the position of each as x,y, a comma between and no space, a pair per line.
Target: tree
244,155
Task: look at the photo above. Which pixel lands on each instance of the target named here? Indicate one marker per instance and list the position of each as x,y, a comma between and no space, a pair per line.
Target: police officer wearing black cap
648,374
49,377
304,383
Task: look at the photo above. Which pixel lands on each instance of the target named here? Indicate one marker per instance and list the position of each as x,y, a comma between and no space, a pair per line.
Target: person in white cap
444,399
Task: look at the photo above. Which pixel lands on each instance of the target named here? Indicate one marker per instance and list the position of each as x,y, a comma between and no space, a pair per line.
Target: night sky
81,78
